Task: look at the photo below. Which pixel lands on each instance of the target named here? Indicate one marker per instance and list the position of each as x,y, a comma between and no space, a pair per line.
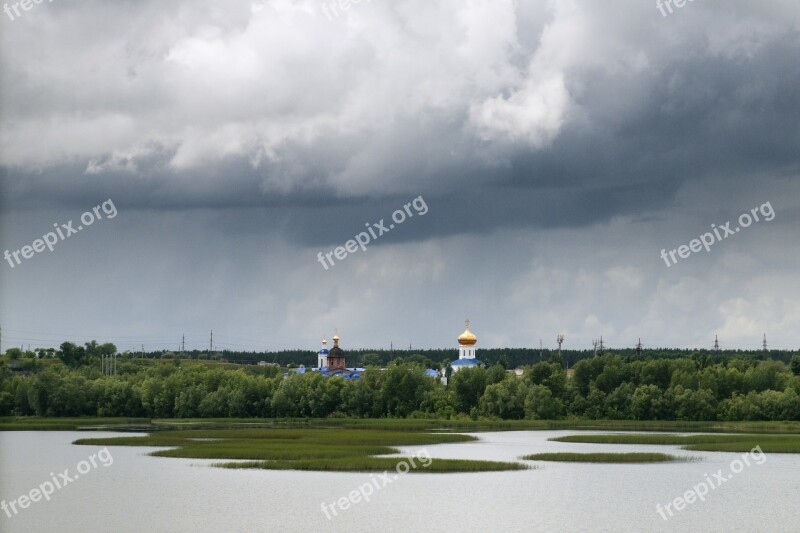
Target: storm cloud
560,146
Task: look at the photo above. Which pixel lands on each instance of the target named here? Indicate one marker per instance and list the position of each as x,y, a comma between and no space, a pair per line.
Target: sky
537,157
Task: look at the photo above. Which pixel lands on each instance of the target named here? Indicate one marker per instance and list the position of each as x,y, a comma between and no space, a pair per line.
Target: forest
695,387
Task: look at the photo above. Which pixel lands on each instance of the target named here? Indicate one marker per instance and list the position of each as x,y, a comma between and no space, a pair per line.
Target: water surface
138,493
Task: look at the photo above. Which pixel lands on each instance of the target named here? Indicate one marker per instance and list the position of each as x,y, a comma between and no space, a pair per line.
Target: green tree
768,375
612,376
468,385
505,399
597,401
647,403
540,404
795,365
402,389
371,359
70,354
618,403
586,371
656,372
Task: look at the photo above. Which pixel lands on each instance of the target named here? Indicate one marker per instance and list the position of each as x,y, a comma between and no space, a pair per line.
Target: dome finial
467,338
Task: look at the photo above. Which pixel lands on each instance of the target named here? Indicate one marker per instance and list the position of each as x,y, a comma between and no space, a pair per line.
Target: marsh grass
341,450
603,457
379,464
707,443
35,423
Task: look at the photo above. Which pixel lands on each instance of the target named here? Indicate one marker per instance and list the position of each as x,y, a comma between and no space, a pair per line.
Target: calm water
147,494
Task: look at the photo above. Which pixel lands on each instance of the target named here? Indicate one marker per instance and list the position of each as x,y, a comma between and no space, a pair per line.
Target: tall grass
603,457
379,464
304,449
709,443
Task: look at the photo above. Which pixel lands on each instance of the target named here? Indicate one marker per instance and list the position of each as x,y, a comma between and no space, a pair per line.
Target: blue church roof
432,373
466,362
323,351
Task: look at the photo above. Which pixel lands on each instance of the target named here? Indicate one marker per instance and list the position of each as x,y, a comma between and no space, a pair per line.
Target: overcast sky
557,148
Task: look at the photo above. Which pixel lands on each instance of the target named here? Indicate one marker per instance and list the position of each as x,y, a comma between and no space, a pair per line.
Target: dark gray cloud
559,147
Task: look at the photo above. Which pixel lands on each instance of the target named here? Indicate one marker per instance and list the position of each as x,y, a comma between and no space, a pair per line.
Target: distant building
466,351
322,355
431,373
333,362
336,358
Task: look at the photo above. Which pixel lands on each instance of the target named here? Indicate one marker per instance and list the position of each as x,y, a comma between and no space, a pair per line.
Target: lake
137,493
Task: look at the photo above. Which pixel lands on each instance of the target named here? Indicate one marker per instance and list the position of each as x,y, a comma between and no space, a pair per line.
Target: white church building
466,351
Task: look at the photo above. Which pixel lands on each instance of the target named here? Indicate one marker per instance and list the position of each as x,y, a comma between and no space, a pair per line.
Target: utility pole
716,343
211,345
559,340
183,345
639,349
109,364
601,344
595,342
764,344
540,350
142,351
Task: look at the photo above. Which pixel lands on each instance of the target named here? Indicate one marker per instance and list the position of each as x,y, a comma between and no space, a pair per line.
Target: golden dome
467,338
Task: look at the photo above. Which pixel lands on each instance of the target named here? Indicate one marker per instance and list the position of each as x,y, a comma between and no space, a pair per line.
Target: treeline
438,358
606,387
91,352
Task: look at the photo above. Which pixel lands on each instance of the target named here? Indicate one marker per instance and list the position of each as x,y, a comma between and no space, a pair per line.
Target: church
466,351
333,362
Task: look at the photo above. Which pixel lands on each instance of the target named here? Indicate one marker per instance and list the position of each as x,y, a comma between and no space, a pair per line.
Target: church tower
466,351
322,355
336,358
466,344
